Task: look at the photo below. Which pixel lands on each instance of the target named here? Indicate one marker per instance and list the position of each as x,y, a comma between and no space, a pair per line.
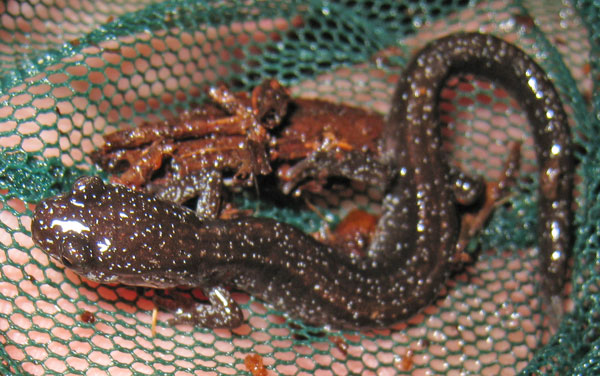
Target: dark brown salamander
112,234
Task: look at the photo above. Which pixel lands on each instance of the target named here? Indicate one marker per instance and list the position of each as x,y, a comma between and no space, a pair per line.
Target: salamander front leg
206,185
322,164
221,312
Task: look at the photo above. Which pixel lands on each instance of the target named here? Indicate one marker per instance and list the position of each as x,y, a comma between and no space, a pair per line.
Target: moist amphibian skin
109,233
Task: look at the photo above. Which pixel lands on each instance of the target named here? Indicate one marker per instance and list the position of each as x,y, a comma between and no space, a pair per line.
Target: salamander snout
41,227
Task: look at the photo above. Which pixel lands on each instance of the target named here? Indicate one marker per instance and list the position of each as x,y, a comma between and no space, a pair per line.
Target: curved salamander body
112,234
411,137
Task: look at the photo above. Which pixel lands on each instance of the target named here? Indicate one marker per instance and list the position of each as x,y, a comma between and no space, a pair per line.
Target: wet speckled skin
411,139
112,234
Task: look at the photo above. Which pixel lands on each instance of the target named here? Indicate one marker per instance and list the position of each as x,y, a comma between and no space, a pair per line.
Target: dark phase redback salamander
112,234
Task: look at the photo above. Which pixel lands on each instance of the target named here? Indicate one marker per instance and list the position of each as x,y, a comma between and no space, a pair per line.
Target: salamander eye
76,253
88,186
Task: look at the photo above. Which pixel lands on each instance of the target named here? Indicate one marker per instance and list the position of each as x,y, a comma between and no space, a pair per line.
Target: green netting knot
30,178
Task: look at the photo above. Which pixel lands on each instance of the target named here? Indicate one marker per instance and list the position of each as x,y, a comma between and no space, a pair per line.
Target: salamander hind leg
491,194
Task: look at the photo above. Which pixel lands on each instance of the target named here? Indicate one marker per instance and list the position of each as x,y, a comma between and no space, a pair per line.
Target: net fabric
35,34
108,65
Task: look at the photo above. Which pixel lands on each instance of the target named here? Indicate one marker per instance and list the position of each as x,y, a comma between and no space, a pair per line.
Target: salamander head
62,226
108,233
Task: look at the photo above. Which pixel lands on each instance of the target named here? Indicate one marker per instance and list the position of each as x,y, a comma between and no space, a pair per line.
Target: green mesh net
71,71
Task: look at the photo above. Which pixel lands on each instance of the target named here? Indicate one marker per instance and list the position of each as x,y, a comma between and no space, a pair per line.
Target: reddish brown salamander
112,234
